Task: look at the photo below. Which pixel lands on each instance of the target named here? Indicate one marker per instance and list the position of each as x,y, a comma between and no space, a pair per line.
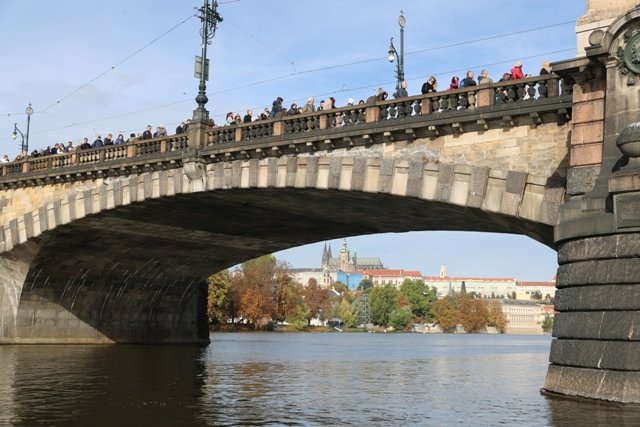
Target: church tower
344,257
326,255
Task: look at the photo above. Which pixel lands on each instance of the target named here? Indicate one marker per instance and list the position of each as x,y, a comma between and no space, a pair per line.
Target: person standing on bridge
429,86
147,133
484,78
516,71
248,118
276,107
120,139
401,92
468,80
308,107
98,142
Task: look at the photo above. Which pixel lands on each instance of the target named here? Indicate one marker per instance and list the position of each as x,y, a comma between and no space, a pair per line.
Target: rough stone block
589,111
477,186
414,181
446,176
385,178
312,172
626,209
359,173
581,180
587,133
586,155
335,168
615,386
606,325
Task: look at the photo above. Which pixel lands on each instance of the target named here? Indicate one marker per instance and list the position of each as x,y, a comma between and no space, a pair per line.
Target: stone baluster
463,99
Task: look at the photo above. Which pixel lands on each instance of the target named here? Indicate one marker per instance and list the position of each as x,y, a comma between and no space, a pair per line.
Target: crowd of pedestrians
279,109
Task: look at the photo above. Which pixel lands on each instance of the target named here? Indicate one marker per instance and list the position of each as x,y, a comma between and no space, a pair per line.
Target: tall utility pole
210,18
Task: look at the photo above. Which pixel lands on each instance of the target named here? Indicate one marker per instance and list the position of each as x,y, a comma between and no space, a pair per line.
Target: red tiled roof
478,279
537,284
392,273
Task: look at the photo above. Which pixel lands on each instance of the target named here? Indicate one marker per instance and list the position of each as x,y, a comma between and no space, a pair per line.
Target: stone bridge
115,244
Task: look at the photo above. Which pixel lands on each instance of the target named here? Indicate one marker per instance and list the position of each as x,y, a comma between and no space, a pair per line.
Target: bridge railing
472,98
480,97
141,148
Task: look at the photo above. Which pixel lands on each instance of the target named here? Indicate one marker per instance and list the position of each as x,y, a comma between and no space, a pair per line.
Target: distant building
347,263
525,290
303,275
523,317
486,287
390,277
351,280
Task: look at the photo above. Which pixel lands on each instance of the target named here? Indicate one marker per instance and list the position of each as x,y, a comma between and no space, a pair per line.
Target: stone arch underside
135,272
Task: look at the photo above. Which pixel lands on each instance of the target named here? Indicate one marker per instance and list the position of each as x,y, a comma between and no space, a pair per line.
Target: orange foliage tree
473,314
445,313
496,317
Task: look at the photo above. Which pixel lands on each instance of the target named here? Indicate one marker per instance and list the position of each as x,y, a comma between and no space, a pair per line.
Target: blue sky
115,66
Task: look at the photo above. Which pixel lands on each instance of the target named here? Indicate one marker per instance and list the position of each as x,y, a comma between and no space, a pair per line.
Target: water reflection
101,385
293,379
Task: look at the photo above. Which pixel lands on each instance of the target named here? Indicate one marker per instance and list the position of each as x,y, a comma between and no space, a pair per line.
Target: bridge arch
181,224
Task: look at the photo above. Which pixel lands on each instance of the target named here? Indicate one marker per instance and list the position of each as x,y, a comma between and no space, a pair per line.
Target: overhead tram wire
284,76
305,71
289,60
369,86
113,67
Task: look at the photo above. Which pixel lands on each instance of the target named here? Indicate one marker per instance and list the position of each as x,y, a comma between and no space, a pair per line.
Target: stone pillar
597,339
199,133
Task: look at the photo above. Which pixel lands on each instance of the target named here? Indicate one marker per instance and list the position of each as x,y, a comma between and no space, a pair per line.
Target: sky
93,68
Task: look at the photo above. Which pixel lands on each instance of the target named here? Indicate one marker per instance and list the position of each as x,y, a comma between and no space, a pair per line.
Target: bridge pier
55,291
597,328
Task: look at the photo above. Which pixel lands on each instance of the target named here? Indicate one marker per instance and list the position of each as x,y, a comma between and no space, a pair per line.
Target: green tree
365,285
547,324
419,297
445,313
400,318
383,302
341,288
218,295
346,314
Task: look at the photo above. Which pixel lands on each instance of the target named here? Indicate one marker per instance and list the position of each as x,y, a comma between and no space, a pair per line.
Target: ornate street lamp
24,145
393,53
210,17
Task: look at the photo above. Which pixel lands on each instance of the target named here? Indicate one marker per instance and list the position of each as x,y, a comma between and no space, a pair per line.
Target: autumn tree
317,300
256,289
287,292
496,317
341,288
218,295
445,313
383,301
473,314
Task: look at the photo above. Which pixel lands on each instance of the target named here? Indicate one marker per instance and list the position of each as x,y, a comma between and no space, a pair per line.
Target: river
305,379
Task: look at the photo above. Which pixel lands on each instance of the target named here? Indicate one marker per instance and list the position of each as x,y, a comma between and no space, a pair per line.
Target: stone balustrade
274,136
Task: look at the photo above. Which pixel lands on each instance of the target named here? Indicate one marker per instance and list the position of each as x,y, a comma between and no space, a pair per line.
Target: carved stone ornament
628,56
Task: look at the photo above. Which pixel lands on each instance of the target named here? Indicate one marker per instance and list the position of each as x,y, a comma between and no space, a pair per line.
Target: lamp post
210,17
393,53
24,144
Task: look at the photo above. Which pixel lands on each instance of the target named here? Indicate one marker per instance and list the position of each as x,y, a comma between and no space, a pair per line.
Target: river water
273,379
